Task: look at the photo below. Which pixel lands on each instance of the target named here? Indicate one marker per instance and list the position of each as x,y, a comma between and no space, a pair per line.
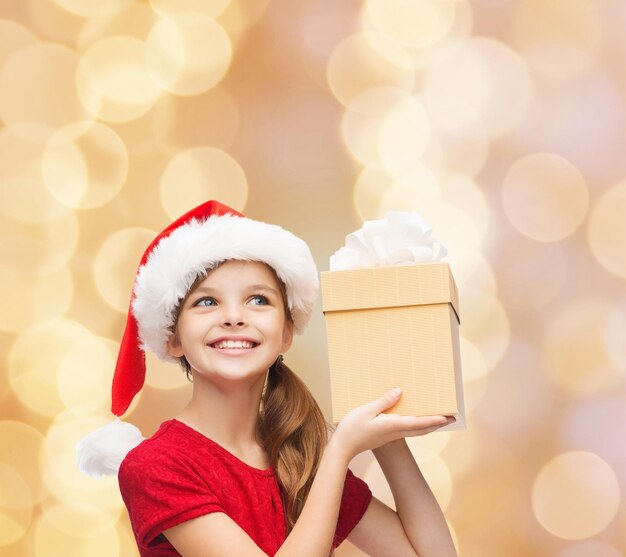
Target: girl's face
233,324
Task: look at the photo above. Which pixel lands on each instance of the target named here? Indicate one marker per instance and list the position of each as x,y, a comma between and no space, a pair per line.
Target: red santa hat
185,250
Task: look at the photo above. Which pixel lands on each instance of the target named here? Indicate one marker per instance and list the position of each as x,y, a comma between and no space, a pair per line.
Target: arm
418,526
215,534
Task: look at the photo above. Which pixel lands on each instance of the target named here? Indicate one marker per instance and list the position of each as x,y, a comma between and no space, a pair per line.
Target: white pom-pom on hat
102,451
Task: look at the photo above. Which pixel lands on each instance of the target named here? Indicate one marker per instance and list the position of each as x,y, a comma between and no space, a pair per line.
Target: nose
233,315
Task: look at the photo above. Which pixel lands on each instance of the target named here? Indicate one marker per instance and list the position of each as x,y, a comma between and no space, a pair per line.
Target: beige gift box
394,326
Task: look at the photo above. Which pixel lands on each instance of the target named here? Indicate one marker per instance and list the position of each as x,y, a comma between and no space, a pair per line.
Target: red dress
179,474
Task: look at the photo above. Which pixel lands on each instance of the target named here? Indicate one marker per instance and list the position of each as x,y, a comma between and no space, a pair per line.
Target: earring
277,363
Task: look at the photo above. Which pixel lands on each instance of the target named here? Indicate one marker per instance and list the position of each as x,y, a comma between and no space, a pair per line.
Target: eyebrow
208,289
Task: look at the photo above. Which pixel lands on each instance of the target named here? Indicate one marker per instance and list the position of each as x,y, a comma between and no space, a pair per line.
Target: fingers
406,424
385,401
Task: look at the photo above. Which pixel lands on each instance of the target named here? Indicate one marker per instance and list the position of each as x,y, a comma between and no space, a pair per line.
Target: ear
174,347
287,336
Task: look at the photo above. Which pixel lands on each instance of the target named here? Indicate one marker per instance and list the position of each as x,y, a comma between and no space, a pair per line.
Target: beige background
502,123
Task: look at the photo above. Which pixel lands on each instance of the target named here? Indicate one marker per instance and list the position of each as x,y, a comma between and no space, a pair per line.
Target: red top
179,474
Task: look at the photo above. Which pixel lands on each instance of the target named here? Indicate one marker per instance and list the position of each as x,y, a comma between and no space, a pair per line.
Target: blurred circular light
369,189
19,451
13,37
478,84
485,324
575,495
202,173
14,491
413,196
134,21
15,506
562,111
79,519
531,275
597,424
365,61
113,81
615,332
427,55
575,347
240,15
115,265
24,195
211,118
212,8
462,192
518,417
461,155
386,128
33,250
49,540
545,197
413,23
607,230
34,359
51,22
85,166
497,475
33,70
404,135
25,255
93,8
34,297
85,373
474,366
188,53
588,548
558,40
472,270
473,394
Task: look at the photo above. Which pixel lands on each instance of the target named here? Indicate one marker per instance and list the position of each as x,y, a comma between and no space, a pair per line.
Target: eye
259,300
205,302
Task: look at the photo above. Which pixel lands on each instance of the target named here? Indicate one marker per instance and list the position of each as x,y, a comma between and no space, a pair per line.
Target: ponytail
292,430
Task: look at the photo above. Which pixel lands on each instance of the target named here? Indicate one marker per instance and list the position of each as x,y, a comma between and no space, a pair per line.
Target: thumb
385,401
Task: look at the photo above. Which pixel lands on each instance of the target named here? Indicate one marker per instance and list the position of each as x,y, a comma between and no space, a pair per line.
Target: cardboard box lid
384,287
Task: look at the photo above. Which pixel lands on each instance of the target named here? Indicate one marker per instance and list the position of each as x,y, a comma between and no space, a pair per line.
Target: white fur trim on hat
180,258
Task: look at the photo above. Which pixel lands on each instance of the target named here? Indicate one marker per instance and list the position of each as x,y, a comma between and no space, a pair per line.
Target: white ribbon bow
399,238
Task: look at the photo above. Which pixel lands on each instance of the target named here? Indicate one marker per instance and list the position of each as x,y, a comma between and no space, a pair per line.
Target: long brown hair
291,427
292,430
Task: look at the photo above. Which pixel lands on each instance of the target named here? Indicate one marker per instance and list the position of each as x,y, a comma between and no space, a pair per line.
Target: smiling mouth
238,344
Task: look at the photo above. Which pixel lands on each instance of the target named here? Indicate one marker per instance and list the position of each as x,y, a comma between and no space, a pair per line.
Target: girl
246,468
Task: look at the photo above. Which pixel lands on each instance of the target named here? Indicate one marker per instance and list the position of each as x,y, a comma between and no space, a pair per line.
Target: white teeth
233,344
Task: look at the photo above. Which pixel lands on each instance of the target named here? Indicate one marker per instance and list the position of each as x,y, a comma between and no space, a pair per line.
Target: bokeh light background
502,123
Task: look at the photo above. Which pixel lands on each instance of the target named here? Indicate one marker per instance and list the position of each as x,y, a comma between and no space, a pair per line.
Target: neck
227,413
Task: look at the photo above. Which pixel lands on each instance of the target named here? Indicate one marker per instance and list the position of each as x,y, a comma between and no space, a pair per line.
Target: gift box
394,325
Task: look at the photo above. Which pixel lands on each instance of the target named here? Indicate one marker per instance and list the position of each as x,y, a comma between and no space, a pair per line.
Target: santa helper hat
197,241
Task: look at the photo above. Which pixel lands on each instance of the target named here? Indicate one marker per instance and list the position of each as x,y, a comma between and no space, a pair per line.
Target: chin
235,372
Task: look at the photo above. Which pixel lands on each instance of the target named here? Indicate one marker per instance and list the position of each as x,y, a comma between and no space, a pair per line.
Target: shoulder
152,455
